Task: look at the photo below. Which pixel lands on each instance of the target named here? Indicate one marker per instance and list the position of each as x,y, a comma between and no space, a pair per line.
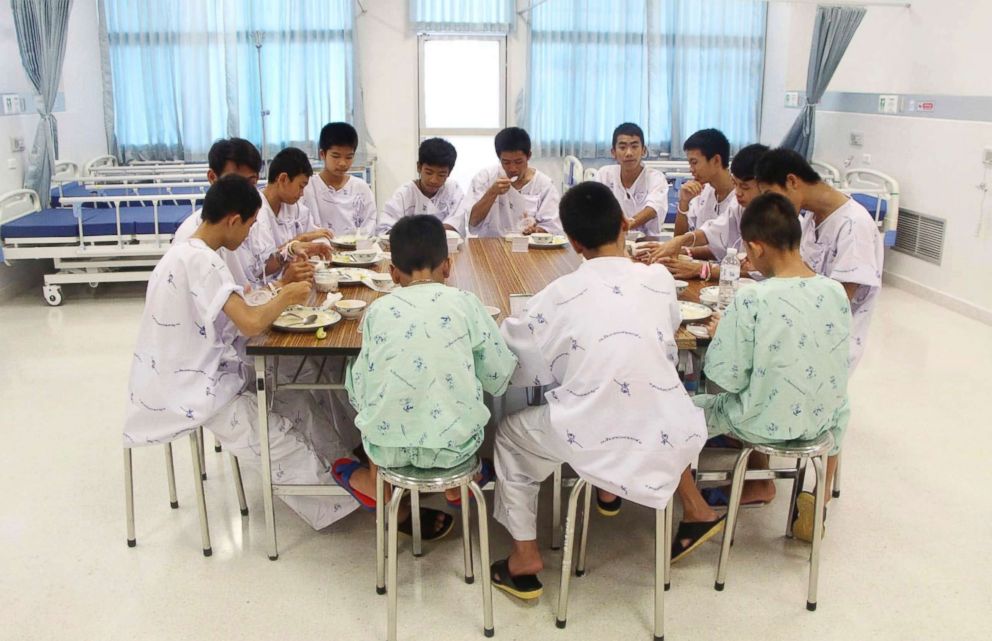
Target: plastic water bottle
730,275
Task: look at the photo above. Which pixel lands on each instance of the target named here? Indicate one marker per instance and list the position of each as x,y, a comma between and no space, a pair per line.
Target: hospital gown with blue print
780,352
429,351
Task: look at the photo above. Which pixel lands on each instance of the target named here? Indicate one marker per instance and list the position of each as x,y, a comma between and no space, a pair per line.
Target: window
672,66
187,73
463,97
477,16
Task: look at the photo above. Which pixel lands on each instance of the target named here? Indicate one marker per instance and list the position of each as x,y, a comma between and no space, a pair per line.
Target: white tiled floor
906,554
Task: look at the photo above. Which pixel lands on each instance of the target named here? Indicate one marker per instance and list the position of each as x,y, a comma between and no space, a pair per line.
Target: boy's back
429,351
782,349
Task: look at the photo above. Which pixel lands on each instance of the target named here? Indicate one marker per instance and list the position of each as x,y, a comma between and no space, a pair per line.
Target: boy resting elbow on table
780,352
187,371
429,351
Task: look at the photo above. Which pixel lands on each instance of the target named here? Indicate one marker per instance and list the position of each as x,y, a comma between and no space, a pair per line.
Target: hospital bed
879,194
107,165
127,184
828,173
94,239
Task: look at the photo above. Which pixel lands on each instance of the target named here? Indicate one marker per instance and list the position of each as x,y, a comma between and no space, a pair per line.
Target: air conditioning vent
921,236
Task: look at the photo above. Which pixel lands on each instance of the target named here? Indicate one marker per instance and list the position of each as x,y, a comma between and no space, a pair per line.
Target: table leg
263,439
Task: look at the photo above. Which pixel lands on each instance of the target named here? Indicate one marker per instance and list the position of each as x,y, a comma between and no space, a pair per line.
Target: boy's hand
311,236
683,269
714,323
500,187
533,229
642,251
314,249
689,190
666,249
299,270
295,293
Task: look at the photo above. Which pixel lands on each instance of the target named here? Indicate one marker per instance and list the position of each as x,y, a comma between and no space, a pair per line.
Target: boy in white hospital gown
619,416
186,371
432,193
641,191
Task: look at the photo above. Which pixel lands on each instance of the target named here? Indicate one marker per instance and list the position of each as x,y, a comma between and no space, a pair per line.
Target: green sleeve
494,362
730,357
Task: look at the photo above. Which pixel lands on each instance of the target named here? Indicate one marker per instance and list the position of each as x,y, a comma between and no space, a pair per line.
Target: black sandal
428,520
608,508
523,586
697,534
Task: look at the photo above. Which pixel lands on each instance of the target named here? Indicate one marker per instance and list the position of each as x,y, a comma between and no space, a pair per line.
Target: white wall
81,131
937,47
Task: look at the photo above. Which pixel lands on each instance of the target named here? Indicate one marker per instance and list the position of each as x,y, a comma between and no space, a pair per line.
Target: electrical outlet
13,104
888,104
857,139
11,163
866,159
791,98
17,144
987,156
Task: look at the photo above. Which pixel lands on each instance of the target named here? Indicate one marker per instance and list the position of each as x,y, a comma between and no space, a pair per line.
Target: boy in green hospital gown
429,351
780,352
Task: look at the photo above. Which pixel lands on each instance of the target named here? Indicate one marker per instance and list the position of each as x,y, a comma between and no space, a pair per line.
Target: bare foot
525,558
758,492
605,496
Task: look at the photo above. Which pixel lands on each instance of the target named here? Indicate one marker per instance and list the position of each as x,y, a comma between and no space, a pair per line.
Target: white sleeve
457,210
532,369
657,198
693,212
392,211
856,253
716,231
212,285
547,210
365,215
477,189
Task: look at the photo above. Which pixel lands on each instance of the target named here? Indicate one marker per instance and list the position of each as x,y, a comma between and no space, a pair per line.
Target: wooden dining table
484,266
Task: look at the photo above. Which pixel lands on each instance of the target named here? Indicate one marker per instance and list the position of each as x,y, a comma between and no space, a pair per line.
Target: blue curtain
479,16
183,74
672,66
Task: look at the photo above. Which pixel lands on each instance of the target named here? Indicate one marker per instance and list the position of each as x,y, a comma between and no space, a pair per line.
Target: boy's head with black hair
708,152
628,147
786,172
419,249
231,206
513,150
289,173
234,156
435,161
742,172
771,230
592,217
336,148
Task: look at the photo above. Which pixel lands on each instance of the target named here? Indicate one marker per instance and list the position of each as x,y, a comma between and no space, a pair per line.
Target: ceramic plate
635,235
344,241
557,241
692,312
292,320
351,276
347,260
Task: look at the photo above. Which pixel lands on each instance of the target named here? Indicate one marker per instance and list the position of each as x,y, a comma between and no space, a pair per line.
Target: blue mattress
60,222
77,190
870,203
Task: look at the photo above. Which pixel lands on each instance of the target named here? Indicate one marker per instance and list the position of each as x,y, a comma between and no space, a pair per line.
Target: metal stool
814,450
418,480
835,486
662,555
196,449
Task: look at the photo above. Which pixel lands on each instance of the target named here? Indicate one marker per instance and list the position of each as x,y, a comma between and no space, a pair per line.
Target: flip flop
804,517
610,508
524,586
488,473
723,442
342,470
718,497
428,518
697,533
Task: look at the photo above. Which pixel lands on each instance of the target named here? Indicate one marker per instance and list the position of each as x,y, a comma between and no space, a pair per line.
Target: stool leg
566,555
819,465
835,490
380,536
394,509
736,488
217,445
669,517
487,587
239,485
201,502
580,567
556,511
170,472
129,498
200,448
415,515
662,551
467,535
797,487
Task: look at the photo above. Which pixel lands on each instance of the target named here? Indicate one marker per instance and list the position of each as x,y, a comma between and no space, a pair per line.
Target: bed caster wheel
53,295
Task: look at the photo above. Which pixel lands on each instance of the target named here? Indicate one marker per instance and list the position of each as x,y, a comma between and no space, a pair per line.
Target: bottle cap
732,251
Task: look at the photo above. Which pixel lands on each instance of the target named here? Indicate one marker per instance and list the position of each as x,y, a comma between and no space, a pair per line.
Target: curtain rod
872,3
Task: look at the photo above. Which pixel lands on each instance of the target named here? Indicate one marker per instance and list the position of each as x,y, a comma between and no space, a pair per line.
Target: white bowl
350,309
493,311
363,255
326,281
681,286
381,278
542,238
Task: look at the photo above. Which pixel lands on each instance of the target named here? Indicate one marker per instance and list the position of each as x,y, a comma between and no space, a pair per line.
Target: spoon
312,318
